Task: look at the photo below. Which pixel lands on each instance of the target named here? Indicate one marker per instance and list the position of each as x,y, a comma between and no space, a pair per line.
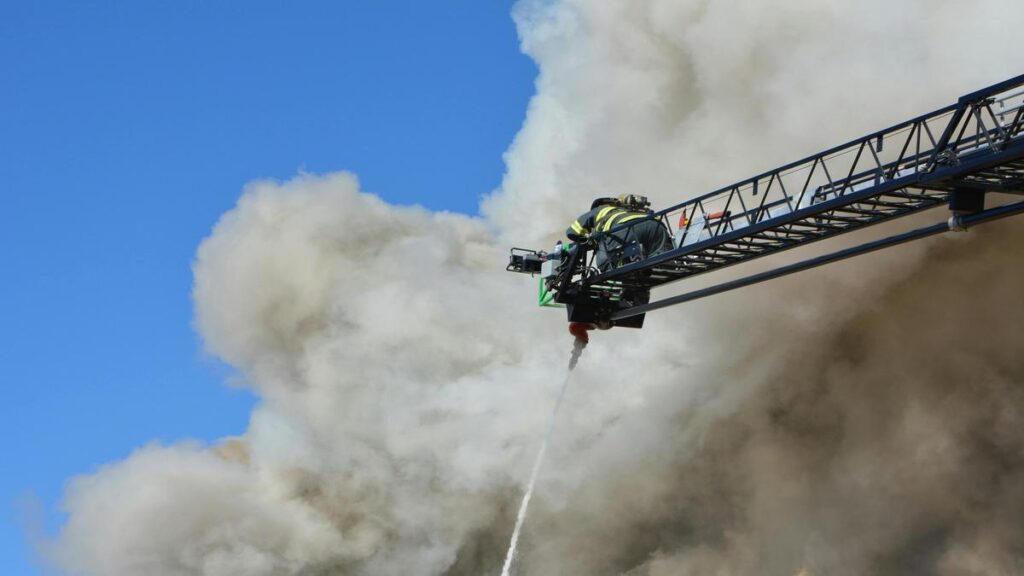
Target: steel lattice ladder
951,156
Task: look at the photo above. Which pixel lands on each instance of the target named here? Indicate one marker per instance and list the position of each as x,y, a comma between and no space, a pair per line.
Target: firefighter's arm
576,232
580,229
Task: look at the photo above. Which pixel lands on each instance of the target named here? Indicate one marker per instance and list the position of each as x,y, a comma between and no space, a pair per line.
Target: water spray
577,349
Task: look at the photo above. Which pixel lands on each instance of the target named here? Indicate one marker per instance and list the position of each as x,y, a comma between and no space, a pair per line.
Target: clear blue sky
127,129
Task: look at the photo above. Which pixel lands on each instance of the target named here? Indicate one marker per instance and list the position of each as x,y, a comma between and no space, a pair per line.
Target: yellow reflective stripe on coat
602,214
632,217
610,213
611,220
577,227
625,217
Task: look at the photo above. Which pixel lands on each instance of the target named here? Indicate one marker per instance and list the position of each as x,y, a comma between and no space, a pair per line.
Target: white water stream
577,350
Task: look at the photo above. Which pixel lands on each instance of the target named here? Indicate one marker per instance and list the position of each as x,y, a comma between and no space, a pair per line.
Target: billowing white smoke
401,376
833,422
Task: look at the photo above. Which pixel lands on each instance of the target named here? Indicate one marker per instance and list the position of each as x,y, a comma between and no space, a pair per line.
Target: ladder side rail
805,239
833,157
726,230
1005,86
697,207
971,101
727,222
973,162
853,178
802,214
848,146
977,160
958,109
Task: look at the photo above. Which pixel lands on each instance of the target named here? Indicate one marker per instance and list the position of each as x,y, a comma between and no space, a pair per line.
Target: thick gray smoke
861,419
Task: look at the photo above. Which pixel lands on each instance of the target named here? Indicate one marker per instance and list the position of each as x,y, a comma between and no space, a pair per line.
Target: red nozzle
580,330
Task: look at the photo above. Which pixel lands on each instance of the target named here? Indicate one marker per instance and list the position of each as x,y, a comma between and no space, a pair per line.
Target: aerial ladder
951,157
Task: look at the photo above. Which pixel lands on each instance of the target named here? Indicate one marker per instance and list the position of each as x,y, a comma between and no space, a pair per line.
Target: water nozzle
581,330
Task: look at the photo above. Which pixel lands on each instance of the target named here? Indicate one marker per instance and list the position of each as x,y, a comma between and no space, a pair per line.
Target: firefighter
607,213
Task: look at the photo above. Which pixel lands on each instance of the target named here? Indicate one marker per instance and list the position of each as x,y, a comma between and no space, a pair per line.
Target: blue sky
129,128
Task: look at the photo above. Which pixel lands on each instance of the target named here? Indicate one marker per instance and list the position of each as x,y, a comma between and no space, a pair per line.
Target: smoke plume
859,419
